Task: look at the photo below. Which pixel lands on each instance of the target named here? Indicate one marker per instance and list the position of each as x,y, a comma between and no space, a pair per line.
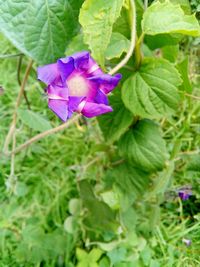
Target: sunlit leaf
97,18
169,18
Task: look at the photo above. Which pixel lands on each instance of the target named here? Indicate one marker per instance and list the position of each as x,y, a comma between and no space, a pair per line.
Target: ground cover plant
102,188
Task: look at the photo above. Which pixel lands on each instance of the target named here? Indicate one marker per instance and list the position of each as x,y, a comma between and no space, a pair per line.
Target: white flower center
78,86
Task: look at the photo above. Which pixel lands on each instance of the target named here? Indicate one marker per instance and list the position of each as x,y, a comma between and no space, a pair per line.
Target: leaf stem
10,55
145,4
14,120
133,40
44,134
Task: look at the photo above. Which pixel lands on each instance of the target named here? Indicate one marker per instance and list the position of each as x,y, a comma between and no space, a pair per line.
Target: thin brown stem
14,120
193,96
44,134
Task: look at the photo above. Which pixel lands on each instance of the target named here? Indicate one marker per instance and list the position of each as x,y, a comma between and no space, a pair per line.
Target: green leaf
117,255
110,198
170,52
76,44
146,255
185,5
152,91
70,224
34,120
122,24
131,180
75,206
81,254
40,29
115,123
117,46
104,262
169,18
97,18
193,163
100,216
183,69
95,254
144,146
13,20
160,40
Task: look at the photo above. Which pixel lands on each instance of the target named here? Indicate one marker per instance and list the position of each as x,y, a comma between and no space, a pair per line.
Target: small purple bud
187,242
184,194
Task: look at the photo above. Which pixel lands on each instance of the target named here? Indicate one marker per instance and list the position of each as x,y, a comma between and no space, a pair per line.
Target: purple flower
77,84
184,194
187,242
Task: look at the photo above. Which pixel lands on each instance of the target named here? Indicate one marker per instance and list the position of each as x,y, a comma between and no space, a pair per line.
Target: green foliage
40,29
100,216
34,120
88,259
144,147
75,199
117,46
97,18
183,69
152,91
114,124
130,179
169,18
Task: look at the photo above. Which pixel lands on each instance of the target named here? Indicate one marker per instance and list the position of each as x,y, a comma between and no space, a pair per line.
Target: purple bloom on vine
77,84
184,193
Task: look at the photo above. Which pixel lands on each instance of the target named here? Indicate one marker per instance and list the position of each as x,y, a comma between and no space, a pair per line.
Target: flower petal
57,92
101,98
65,67
92,109
60,108
48,73
106,82
74,102
81,60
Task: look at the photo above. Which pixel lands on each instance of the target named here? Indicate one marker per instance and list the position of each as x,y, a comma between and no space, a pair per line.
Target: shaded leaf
144,146
117,255
183,69
115,123
160,40
100,216
40,29
170,52
75,45
131,180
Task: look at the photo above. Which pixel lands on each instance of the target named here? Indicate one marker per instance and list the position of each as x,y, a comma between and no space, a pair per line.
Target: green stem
133,40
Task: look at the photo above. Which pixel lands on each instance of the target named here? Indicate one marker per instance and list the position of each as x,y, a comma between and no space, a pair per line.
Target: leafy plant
105,211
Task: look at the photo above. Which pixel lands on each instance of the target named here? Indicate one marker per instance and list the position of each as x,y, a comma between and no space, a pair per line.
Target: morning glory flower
77,84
